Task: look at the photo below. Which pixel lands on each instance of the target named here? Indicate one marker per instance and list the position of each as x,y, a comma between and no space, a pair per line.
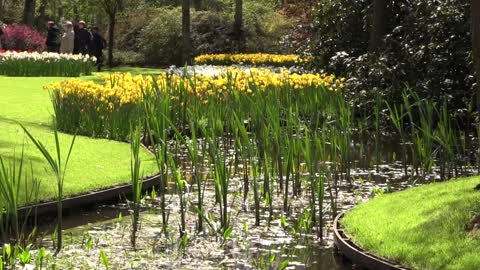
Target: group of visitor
76,39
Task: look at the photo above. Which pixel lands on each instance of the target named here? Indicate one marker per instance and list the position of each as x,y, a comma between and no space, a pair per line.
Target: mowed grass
95,163
423,228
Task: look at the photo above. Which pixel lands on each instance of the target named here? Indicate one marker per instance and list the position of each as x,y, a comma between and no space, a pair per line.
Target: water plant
136,182
59,170
14,182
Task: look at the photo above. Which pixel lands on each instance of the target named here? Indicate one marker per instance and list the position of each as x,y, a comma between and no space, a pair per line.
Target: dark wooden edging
48,208
356,254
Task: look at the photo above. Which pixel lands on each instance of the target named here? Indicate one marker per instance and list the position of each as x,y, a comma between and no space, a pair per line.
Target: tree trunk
475,29
42,17
111,33
2,9
186,38
378,25
238,26
29,12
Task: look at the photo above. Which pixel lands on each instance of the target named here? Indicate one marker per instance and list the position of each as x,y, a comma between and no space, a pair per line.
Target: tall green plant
59,170
136,181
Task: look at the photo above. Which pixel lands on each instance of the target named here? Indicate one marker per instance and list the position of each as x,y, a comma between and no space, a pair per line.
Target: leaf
284,264
227,232
272,258
104,259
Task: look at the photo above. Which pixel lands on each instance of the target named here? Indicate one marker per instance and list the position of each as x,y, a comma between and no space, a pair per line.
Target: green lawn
95,163
423,228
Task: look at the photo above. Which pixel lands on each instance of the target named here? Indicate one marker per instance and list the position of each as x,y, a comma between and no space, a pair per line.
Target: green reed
136,181
397,117
377,111
15,180
157,110
180,188
59,170
446,138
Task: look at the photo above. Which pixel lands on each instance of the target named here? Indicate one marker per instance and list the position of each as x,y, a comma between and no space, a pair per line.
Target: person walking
82,39
53,37
96,47
68,39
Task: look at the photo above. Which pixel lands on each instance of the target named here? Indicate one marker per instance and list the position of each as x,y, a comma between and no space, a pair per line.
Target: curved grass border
356,254
83,200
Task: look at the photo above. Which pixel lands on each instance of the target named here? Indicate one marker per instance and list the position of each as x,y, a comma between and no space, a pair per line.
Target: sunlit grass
95,163
423,228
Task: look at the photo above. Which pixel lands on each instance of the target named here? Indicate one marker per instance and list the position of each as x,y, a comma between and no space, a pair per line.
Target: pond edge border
90,198
358,255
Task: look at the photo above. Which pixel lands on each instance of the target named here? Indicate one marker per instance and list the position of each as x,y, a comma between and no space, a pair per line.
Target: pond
278,240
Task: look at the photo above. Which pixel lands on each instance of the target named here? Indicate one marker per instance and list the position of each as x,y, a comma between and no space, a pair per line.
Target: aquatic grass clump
58,168
18,186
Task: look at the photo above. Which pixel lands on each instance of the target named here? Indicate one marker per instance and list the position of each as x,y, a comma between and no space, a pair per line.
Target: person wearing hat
53,37
82,39
68,39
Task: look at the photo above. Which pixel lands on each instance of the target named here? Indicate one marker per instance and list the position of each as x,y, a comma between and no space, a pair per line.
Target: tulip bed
106,109
35,64
256,59
95,163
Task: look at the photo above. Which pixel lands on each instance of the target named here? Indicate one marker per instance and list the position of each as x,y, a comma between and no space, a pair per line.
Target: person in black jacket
97,45
82,39
53,37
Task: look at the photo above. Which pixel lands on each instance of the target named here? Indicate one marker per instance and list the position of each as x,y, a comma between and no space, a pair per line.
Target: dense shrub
160,40
212,32
426,46
128,58
22,38
265,27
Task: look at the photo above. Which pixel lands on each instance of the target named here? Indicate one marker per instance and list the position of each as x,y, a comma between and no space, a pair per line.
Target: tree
378,26
2,9
186,34
42,16
29,12
238,25
111,8
475,30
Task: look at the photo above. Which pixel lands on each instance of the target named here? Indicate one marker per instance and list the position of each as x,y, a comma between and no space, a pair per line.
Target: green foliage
59,170
160,40
128,58
426,46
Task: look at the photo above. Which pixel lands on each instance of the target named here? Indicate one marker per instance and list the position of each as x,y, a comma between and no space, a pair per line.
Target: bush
128,58
22,38
211,33
426,47
160,40
265,27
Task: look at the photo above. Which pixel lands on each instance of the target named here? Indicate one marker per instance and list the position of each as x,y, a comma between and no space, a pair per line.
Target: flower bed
35,64
105,110
22,38
256,59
